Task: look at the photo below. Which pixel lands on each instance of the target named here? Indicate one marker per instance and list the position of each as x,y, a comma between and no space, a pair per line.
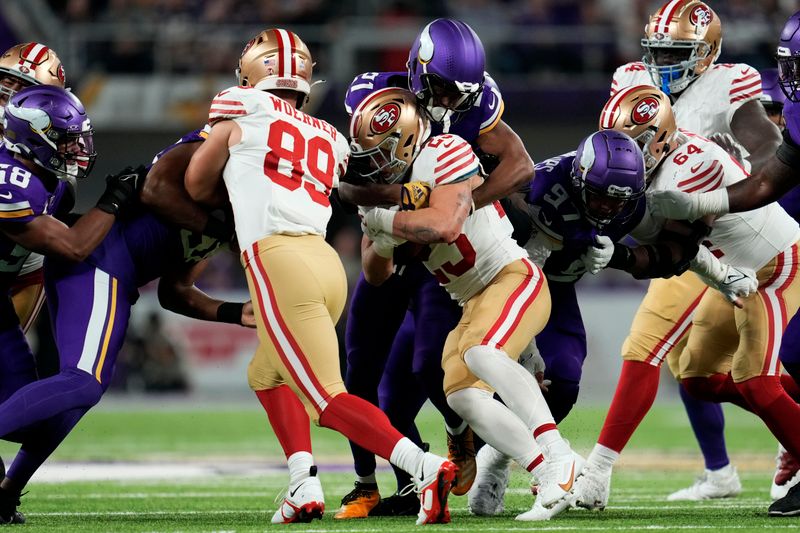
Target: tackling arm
515,167
756,132
177,293
203,179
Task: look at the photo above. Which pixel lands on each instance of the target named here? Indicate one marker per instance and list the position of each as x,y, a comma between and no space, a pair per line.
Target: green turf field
237,443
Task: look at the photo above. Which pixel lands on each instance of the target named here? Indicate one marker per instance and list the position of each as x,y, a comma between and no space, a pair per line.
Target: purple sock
40,442
44,399
708,424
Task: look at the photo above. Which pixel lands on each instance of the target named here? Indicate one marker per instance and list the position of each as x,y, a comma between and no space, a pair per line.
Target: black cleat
9,501
396,505
789,505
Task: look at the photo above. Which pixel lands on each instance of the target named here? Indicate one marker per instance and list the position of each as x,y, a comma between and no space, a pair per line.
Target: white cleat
559,478
486,496
540,513
722,483
433,486
787,474
302,502
592,487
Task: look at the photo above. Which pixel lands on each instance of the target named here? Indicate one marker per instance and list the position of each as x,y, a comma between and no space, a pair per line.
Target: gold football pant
505,315
27,295
298,288
663,320
745,342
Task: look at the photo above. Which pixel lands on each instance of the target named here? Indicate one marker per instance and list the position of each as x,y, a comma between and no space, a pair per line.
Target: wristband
381,219
230,312
714,202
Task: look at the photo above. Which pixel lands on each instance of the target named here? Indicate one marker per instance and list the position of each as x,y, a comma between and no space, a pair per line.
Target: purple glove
791,114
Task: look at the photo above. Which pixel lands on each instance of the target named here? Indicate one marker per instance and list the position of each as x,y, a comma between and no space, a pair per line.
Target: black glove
122,190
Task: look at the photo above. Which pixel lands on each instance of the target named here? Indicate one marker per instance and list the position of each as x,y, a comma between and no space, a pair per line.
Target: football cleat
486,497
9,500
559,478
540,513
786,474
592,487
433,486
789,505
397,505
303,501
461,452
722,483
359,502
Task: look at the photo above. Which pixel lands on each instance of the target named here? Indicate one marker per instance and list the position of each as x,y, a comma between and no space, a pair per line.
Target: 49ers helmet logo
645,110
386,117
701,16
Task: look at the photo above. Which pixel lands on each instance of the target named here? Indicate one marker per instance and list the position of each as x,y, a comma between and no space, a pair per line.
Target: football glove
678,205
597,256
122,190
736,283
414,195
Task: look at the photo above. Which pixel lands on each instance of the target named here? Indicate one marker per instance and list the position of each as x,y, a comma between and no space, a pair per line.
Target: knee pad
87,390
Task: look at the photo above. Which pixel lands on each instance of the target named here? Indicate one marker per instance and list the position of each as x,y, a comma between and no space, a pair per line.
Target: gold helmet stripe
666,14
608,116
33,54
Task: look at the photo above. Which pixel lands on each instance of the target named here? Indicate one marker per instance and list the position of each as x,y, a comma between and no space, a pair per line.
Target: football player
279,166
682,42
48,140
445,70
472,255
23,65
719,362
576,200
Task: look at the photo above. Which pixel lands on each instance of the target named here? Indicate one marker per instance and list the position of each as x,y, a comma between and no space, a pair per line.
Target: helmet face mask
682,40
446,69
49,126
387,131
608,175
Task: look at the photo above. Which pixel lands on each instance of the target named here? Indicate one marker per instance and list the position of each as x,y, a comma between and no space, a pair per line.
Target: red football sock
716,388
362,423
771,403
790,386
636,390
289,419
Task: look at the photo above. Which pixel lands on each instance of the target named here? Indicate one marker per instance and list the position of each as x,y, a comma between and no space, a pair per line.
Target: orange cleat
461,452
359,501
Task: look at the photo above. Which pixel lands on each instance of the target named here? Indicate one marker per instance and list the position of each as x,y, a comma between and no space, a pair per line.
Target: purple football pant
90,312
790,348
373,344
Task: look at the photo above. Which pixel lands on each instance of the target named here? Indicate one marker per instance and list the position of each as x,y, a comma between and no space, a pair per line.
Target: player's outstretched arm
515,167
441,222
177,293
203,177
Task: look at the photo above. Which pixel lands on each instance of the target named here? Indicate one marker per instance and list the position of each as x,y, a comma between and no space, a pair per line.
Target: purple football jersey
23,197
558,214
483,116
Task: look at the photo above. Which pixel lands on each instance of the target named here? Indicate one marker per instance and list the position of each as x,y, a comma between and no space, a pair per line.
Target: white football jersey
749,239
279,177
707,105
485,246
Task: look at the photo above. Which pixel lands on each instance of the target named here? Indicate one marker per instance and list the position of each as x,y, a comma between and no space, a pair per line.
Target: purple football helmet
788,57
608,172
49,125
445,68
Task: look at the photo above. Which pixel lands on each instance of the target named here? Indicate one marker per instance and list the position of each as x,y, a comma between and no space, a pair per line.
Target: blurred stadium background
147,69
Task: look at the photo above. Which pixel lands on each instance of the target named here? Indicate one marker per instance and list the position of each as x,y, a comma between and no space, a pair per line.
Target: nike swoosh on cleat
566,487
292,492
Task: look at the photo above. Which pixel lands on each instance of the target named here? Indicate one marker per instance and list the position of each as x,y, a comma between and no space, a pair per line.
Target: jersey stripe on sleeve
224,106
707,179
16,210
748,86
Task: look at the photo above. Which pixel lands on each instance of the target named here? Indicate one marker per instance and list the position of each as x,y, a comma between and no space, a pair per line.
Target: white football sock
300,464
495,424
408,456
515,385
602,457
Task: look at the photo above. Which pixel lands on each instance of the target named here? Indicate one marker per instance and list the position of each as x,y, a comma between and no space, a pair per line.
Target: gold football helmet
28,64
276,59
645,114
682,40
386,133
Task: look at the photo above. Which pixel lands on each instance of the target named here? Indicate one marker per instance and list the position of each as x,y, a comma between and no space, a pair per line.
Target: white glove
678,205
737,282
532,361
384,243
597,256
